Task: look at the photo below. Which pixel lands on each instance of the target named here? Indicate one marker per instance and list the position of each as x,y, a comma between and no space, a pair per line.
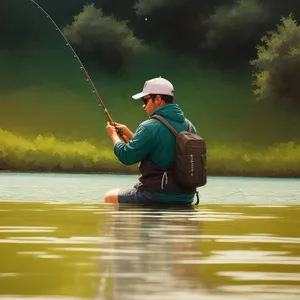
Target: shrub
277,66
48,154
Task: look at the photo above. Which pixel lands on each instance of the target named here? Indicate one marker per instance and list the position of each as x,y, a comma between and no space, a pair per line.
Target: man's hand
111,130
124,129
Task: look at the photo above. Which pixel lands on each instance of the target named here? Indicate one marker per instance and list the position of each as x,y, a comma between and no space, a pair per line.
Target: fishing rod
111,122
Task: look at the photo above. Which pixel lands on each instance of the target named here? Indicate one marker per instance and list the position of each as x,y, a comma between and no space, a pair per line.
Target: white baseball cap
158,86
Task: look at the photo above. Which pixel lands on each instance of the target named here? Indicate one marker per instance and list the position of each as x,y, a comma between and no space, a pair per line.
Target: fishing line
75,54
238,192
89,79
230,195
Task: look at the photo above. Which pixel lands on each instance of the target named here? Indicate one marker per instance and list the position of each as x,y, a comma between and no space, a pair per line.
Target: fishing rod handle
122,135
119,131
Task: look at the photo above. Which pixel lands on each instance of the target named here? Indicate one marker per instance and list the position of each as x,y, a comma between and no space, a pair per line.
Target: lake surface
63,188
60,241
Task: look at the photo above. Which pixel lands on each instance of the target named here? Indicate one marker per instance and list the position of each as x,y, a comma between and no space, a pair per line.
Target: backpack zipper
164,179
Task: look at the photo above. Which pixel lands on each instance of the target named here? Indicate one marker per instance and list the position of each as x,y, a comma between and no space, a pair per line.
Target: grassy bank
48,154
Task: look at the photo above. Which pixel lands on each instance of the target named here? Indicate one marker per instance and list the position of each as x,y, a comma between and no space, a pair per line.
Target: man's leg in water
112,196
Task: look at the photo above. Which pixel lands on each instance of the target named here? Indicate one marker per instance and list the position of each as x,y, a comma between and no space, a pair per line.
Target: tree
277,66
102,36
235,29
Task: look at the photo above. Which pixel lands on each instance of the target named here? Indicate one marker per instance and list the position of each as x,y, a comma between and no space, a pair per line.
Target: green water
60,241
82,251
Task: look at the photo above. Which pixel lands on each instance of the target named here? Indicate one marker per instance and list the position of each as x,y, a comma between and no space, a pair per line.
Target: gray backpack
190,169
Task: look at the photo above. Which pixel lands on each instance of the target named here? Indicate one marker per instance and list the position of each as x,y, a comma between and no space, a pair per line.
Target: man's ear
159,99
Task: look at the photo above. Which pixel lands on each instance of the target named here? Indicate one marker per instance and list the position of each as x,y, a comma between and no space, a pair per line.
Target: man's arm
115,139
137,148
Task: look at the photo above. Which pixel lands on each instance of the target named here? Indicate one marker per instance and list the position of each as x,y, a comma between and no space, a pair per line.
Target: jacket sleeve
137,148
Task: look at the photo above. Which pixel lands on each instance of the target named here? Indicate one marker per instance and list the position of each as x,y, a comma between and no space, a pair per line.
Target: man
153,145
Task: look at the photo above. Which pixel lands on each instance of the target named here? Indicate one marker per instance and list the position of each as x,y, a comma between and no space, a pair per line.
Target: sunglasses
146,100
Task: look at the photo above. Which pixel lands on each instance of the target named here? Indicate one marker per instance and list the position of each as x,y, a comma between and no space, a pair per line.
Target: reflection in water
148,267
127,252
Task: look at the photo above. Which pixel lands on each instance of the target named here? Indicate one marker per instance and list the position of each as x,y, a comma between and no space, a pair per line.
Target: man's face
150,104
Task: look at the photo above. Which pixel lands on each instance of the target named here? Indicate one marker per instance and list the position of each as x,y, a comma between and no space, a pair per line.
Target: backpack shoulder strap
166,123
190,125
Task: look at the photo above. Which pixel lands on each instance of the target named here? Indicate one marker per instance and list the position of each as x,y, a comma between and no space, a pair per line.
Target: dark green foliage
277,66
102,36
214,31
233,29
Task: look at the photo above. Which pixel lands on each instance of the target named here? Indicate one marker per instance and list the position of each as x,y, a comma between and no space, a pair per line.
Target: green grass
278,160
48,154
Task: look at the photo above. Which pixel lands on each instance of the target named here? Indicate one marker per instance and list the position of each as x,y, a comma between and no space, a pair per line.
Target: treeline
189,25
262,32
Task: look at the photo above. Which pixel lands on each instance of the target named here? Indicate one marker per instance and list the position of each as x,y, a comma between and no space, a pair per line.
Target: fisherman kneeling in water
154,146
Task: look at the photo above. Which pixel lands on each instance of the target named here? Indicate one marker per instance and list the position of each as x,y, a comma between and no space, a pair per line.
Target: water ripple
261,276
245,257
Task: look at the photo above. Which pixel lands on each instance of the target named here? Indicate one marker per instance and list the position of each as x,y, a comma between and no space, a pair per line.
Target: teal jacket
153,140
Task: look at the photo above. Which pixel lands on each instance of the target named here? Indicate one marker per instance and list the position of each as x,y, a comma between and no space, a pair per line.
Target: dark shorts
136,196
